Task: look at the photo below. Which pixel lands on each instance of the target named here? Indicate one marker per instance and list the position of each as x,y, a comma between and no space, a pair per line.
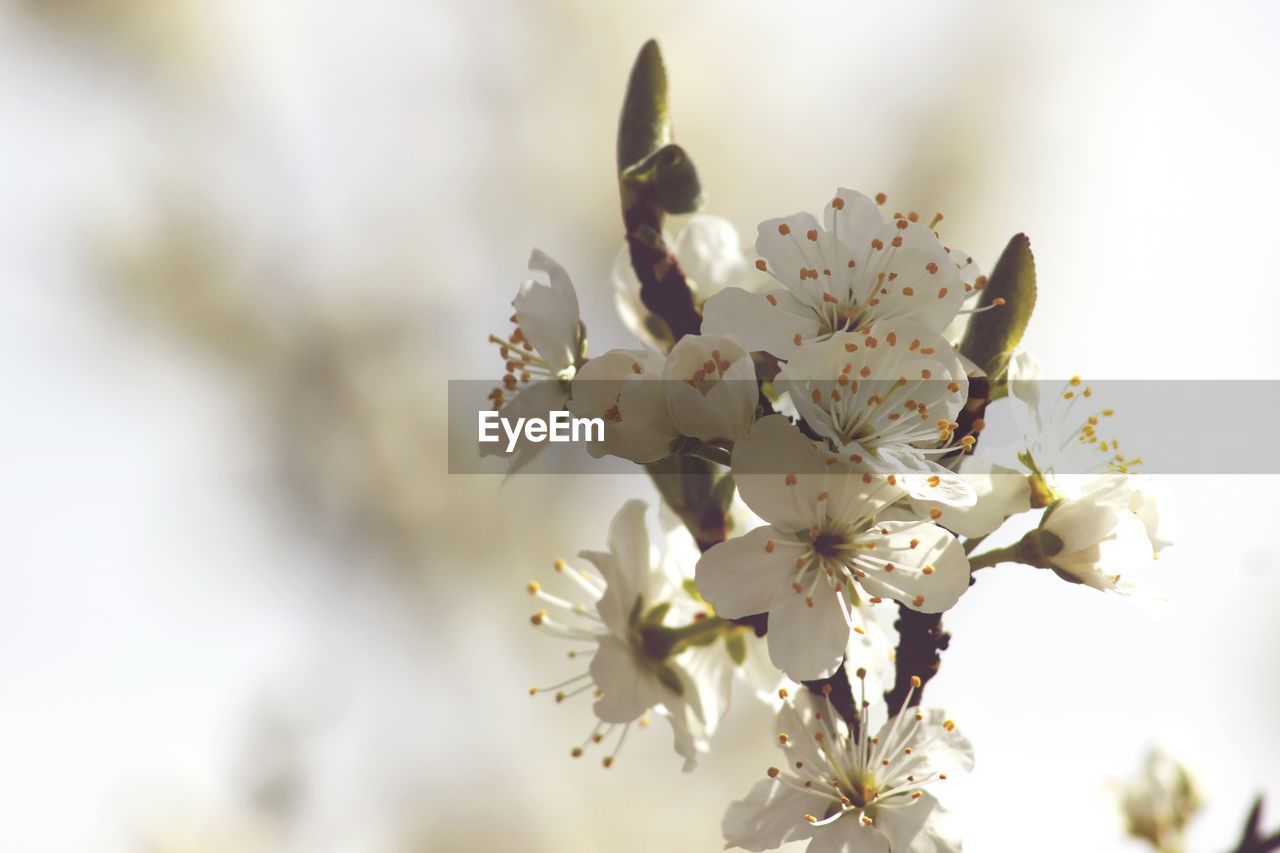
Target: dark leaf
993,335
645,124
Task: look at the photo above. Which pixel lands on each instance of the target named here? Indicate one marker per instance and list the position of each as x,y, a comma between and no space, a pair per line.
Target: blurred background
245,244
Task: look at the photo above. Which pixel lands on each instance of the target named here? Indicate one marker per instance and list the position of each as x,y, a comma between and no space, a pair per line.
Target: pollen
918,600
837,203
790,479
877,244
935,514
761,265
928,570
932,268
812,234
533,587
942,293
784,229
536,619
769,546
773,300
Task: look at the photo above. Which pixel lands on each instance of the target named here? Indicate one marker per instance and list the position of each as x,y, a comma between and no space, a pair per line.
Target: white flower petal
627,690
533,401
630,545
548,313
901,819
848,835
1153,507
764,322
742,576
802,255
710,253
929,568
855,221
807,634
780,473
771,815
1000,492
716,403
912,276
623,388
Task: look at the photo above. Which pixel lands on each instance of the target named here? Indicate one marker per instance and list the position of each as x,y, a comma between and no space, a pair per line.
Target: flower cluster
811,410
822,430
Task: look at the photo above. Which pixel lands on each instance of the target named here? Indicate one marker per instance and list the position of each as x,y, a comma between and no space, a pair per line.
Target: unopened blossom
887,397
1092,538
711,387
851,791
540,355
1159,802
710,255
625,389
850,271
630,615
823,552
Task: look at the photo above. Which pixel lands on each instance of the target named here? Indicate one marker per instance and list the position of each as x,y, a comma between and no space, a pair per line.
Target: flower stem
1008,554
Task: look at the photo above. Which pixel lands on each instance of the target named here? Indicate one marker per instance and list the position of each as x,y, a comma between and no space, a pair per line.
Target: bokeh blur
245,244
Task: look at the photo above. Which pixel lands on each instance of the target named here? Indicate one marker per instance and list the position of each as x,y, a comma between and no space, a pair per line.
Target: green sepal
691,589
670,679
736,645
657,613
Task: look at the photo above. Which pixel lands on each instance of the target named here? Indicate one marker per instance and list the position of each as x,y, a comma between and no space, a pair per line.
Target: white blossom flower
710,254
1065,452
541,354
1056,438
822,547
1093,538
624,388
1158,804
640,626
886,397
848,791
711,387
852,270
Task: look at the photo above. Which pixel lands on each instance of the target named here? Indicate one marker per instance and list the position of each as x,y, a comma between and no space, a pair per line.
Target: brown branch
663,288
921,642
1252,840
837,688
